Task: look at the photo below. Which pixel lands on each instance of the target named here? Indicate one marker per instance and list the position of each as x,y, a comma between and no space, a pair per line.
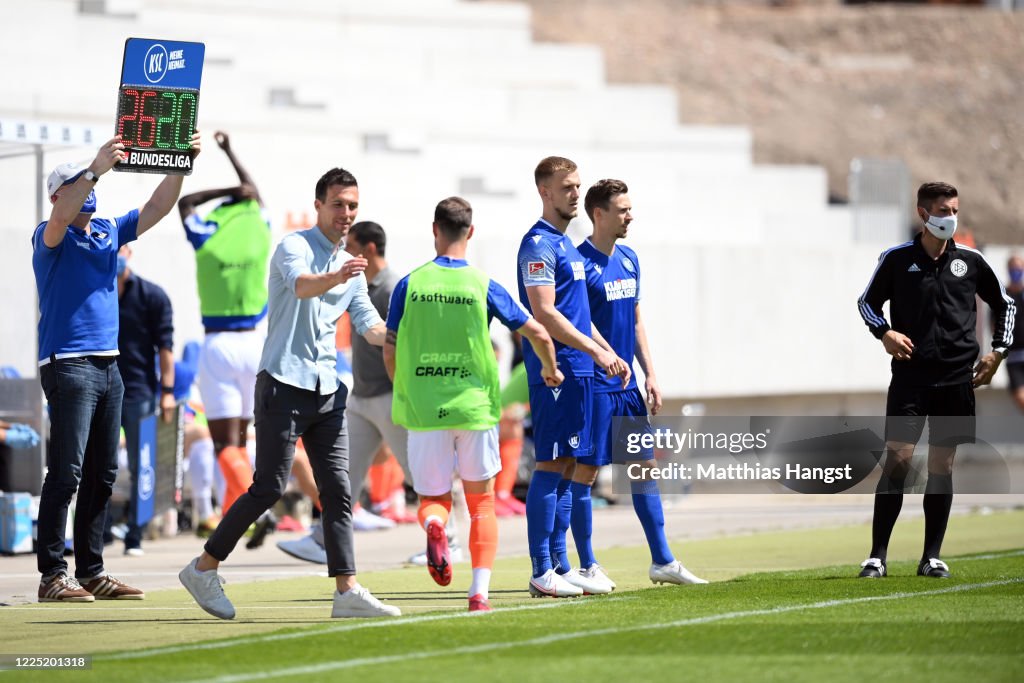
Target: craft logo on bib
958,268
155,66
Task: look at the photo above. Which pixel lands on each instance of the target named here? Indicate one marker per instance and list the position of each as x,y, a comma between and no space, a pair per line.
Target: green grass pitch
782,607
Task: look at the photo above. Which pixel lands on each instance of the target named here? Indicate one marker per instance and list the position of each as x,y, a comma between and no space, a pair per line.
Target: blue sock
582,522
541,499
647,503
563,515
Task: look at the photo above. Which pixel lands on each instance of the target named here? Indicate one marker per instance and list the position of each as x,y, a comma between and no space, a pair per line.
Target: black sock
887,509
938,499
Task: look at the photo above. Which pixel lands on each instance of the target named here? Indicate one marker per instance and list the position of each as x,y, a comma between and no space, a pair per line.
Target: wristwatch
167,390
91,177
1002,352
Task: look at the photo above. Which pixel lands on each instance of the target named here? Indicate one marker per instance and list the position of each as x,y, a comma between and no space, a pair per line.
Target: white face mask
942,227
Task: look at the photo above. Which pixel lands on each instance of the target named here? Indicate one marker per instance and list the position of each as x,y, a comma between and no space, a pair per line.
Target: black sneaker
264,525
933,567
872,568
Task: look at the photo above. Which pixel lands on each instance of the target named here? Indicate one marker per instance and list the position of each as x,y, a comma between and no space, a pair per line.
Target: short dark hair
336,176
929,192
549,166
601,194
368,232
453,217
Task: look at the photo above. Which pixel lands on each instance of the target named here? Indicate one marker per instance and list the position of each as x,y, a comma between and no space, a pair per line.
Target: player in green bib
232,245
446,388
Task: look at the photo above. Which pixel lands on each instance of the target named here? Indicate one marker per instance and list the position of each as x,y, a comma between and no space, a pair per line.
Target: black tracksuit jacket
933,303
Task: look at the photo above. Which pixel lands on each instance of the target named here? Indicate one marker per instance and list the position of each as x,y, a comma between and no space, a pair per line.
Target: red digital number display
156,118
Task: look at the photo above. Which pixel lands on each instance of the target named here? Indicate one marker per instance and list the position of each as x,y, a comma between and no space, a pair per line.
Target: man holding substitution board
74,259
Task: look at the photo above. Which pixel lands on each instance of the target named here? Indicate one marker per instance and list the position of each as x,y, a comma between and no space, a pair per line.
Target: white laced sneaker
673,572
364,520
305,548
552,585
205,588
589,585
595,572
358,602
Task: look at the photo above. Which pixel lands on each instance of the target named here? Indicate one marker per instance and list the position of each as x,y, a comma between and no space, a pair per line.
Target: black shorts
948,409
1016,372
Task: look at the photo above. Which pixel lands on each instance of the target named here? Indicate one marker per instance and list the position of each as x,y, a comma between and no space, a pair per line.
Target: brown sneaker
63,588
106,587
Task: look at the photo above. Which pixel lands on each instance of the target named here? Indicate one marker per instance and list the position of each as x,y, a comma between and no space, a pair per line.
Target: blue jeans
85,417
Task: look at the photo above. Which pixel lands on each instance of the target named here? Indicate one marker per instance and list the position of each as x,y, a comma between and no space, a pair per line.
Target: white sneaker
305,548
589,586
673,572
454,552
595,572
358,602
552,585
364,520
205,588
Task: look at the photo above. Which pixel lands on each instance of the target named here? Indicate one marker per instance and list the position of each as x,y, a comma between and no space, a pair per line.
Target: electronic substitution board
157,105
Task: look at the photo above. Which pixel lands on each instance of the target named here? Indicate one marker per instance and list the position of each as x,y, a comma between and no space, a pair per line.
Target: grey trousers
369,425
283,414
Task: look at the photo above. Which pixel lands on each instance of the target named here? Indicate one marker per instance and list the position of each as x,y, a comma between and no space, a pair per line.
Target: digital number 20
178,109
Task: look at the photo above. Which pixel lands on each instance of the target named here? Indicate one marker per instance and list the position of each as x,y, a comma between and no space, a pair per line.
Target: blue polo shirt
77,286
146,321
548,257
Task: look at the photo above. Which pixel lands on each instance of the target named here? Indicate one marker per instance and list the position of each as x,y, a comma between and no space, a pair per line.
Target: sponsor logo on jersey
913,268
536,270
578,270
439,298
620,289
442,371
958,268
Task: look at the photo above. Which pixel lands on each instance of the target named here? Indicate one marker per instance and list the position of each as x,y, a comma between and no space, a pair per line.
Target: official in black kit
930,283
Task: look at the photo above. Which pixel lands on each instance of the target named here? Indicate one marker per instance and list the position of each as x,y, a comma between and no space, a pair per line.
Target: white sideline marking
991,556
555,637
340,628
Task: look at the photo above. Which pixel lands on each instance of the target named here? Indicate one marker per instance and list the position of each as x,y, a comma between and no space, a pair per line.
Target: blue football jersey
613,289
547,257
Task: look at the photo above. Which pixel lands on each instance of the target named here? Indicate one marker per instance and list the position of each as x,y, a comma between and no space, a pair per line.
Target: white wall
749,277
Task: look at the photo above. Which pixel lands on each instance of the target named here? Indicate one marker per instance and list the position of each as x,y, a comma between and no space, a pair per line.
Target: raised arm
243,176
188,203
164,197
70,199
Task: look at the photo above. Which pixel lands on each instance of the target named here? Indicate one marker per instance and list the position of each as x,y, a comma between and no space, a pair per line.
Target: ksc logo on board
155,63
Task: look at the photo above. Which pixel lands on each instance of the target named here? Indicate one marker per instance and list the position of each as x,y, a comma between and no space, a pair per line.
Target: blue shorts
617,415
562,419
